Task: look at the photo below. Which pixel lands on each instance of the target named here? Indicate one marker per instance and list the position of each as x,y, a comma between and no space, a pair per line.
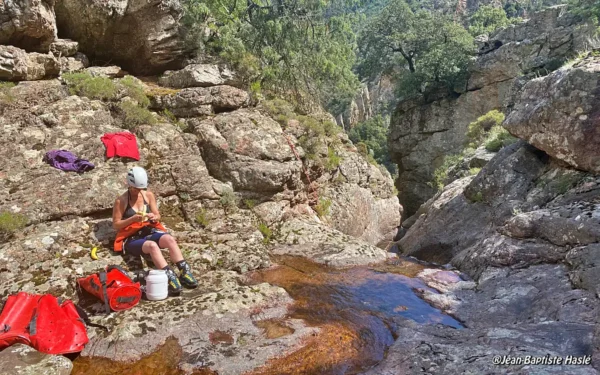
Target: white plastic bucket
157,285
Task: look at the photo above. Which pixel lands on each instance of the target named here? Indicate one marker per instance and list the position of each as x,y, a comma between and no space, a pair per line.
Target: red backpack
113,287
43,322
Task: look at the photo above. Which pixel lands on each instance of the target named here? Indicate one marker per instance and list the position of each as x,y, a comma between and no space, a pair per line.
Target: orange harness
132,229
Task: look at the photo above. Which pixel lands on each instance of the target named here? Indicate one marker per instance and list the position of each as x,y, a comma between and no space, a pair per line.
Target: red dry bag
113,287
14,321
41,322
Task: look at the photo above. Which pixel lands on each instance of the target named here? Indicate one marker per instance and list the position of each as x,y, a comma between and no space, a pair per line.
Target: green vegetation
175,121
424,49
333,160
319,138
322,208
296,49
11,222
478,129
498,137
134,115
84,84
228,199
487,19
477,197
134,112
266,232
370,138
441,173
488,130
250,203
202,217
474,171
135,90
5,94
586,9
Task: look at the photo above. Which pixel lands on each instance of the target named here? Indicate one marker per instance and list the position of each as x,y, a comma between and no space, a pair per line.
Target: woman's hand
151,216
137,218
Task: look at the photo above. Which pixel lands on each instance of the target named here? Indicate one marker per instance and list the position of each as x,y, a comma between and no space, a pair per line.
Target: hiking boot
174,284
187,279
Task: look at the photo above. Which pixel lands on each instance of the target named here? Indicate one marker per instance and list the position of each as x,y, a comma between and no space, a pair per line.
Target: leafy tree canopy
373,134
297,49
423,48
587,9
487,19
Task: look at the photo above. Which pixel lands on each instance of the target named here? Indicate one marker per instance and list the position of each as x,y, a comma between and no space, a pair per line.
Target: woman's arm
153,207
118,222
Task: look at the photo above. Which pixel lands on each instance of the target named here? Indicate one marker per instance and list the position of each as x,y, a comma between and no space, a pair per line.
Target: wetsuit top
129,212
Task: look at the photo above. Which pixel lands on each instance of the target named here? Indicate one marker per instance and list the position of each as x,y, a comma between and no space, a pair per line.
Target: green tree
373,134
487,19
587,9
292,48
423,48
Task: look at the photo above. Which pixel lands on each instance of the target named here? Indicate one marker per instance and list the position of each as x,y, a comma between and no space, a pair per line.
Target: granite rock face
141,36
219,184
201,101
560,114
198,75
20,359
527,312
423,132
28,24
18,65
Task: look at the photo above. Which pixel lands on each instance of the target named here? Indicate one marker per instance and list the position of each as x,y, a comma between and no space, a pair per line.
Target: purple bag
67,161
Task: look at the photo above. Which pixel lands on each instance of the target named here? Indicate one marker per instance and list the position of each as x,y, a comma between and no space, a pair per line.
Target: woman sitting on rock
136,220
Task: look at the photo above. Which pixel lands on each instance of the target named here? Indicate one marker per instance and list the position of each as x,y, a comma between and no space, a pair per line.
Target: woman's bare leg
167,241
150,247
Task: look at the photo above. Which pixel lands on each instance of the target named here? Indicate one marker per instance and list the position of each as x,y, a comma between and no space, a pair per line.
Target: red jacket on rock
122,144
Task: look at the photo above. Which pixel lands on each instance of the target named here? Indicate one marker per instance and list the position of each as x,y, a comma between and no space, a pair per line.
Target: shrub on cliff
134,115
480,128
84,84
5,94
487,19
10,223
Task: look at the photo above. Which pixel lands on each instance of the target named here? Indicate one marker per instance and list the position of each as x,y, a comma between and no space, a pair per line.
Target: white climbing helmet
137,178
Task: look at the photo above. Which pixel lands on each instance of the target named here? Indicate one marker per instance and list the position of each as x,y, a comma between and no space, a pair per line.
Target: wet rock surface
20,359
528,312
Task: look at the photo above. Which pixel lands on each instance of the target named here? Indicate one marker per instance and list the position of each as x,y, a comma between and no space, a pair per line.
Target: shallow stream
353,308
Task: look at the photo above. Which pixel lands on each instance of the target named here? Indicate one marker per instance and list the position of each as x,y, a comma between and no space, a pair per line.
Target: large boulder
141,36
198,75
363,204
248,150
539,45
560,114
523,208
18,65
28,24
201,101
